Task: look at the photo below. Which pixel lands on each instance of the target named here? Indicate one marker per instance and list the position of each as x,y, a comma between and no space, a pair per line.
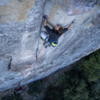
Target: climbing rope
39,34
38,40
34,64
37,53
37,56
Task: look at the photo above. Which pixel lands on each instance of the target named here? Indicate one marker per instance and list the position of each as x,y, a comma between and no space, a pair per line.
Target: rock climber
54,34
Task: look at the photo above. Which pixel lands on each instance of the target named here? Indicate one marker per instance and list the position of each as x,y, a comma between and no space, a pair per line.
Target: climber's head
58,29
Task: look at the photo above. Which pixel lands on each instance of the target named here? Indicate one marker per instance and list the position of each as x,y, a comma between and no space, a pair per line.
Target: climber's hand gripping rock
45,16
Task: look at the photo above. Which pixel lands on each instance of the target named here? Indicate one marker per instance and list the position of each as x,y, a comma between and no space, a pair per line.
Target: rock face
14,11
20,26
75,7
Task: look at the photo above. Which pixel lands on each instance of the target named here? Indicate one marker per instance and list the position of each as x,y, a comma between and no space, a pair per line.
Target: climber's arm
66,29
70,26
45,24
45,20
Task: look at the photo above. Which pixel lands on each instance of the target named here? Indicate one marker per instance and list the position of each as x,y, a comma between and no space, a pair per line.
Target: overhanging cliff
20,24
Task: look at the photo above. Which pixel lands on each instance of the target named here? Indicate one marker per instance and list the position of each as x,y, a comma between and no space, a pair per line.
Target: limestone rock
18,38
14,11
20,26
96,19
77,6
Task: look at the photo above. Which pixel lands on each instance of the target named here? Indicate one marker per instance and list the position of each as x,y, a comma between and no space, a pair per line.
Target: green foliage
80,84
68,87
54,93
13,97
59,80
90,67
35,87
75,87
95,90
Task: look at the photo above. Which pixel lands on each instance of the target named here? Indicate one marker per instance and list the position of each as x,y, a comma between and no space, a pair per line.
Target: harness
53,44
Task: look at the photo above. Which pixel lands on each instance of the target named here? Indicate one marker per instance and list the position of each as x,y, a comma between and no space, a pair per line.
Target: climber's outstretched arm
45,20
45,25
71,24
